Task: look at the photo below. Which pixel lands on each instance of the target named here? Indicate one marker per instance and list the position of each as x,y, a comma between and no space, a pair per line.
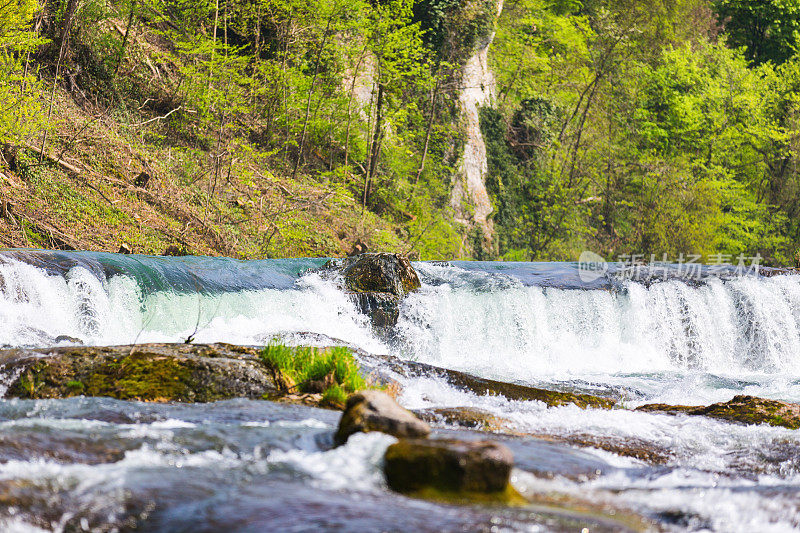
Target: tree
767,29
400,62
20,108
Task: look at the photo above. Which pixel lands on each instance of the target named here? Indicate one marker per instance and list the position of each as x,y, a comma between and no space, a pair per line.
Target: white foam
354,466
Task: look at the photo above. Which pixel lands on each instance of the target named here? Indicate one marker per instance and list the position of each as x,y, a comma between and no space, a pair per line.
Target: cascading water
536,324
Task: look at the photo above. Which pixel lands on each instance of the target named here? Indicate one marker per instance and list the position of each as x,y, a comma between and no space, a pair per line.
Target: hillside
521,130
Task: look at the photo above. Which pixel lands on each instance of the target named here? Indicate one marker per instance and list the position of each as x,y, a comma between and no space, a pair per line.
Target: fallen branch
156,118
57,160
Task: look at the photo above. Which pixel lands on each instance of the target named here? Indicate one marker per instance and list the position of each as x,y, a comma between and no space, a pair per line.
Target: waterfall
508,321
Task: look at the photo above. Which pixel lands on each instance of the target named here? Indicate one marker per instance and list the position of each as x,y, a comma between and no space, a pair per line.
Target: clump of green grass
334,395
304,365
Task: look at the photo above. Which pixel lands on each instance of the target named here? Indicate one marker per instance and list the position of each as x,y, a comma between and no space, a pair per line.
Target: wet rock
466,417
150,372
377,283
62,446
382,308
448,467
373,410
482,386
741,409
379,272
641,449
125,248
768,272
67,338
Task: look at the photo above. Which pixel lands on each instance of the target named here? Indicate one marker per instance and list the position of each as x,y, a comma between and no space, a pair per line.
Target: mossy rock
150,372
450,469
373,410
380,272
741,409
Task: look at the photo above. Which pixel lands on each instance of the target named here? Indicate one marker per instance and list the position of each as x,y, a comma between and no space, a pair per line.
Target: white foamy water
37,308
744,329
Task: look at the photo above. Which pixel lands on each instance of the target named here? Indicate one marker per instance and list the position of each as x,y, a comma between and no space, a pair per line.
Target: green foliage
20,107
306,364
334,395
767,29
610,139
75,385
621,126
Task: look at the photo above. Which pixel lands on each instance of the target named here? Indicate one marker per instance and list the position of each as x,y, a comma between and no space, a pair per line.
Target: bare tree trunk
69,15
286,90
214,46
434,100
350,105
122,48
310,95
376,145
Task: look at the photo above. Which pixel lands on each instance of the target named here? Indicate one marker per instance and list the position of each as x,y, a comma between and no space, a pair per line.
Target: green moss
76,385
140,377
741,409
135,377
513,391
510,496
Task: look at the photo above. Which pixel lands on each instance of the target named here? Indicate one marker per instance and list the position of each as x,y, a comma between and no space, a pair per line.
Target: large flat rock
149,372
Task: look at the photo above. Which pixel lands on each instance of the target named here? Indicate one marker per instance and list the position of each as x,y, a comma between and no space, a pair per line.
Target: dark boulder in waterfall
382,308
377,282
741,409
446,468
379,272
373,410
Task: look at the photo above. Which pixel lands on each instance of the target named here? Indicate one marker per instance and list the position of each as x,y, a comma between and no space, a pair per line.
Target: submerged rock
647,451
150,372
67,338
449,468
373,410
377,282
466,417
742,409
483,386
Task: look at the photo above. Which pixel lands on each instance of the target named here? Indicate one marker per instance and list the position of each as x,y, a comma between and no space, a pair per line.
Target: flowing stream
104,465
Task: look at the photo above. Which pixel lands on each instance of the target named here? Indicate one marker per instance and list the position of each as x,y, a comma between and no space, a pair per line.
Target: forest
272,128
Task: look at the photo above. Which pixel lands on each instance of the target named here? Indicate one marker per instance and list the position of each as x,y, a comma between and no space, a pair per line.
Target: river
98,464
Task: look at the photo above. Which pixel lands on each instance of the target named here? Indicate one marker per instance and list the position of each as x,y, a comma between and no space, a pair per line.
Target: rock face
469,198
377,282
448,466
373,410
150,372
741,409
